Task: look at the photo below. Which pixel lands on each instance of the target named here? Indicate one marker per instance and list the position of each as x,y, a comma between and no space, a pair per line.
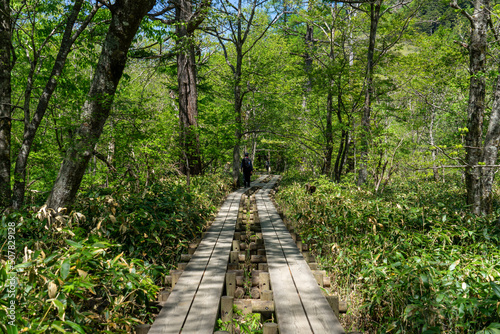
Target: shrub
97,269
416,261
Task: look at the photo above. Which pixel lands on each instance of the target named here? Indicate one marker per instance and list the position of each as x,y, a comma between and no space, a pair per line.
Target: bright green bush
80,288
419,262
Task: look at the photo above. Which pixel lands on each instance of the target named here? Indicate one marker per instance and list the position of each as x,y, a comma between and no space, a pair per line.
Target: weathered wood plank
320,316
173,315
288,306
203,313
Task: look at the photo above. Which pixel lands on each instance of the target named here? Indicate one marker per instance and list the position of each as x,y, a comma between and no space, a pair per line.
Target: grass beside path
98,269
411,260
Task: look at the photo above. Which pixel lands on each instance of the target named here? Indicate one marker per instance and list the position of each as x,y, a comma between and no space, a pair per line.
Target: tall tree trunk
476,107
432,142
365,137
329,134
238,96
238,99
344,140
31,126
490,154
125,20
188,91
5,102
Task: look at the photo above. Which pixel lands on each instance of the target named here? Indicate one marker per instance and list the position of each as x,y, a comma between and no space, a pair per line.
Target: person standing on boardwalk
268,165
247,168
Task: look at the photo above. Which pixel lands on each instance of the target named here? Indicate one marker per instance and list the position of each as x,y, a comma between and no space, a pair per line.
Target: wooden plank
319,314
175,311
203,313
288,306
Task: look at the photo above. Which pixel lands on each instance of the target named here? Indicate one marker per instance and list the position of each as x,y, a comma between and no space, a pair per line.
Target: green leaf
65,268
59,328
496,289
73,243
12,329
60,308
23,265
76,327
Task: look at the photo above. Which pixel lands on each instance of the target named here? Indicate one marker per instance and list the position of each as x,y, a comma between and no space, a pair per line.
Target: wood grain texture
318,312
211,251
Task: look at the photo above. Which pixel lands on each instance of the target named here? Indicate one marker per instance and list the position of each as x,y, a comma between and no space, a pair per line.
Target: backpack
247,164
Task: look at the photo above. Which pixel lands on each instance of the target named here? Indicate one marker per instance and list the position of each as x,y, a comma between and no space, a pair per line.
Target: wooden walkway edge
299,303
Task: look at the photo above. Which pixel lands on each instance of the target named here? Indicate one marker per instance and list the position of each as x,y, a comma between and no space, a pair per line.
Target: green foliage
245,323
418,261
98,270
156,224
80,287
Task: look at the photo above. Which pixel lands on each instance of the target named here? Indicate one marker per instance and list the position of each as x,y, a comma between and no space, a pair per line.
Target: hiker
247,168
267,166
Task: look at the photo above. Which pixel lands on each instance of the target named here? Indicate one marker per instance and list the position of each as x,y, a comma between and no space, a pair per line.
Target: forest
123,124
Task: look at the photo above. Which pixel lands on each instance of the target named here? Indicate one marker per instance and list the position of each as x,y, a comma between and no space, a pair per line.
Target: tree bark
125,20
328,134
344,141
490,154
237,113
432,142
476,105
5,102
238,42
187,22
31,126
365,137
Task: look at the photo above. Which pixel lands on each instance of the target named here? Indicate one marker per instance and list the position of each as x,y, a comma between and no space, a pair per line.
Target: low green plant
245,323
417,261
98,268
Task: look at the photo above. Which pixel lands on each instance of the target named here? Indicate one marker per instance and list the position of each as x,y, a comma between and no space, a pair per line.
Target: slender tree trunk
490,154
476,107
188,91
308,60
254,146
31,126
5,102
238,96
328,134
365,137
238,118
344,142
433,151
125,20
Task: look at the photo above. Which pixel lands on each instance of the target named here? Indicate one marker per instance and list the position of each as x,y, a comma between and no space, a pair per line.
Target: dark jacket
244,165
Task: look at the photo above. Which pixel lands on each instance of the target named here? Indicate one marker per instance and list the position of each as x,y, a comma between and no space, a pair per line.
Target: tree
332,54
6,63
240,22
187,17
375,15
481,147
126,16
31,124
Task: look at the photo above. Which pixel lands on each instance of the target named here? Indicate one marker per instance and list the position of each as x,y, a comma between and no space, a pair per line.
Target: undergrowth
97,269
410,260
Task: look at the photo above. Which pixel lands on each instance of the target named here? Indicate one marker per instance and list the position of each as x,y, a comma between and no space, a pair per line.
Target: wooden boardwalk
300,305
194,303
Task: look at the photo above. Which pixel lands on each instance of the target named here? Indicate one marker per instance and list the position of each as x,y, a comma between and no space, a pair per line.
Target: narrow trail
249,260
